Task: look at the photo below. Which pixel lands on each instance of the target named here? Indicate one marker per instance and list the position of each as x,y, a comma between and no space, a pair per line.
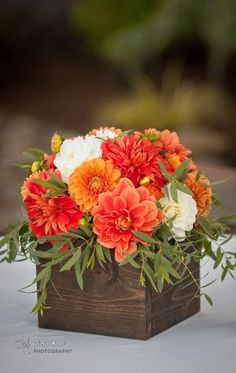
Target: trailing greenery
160,258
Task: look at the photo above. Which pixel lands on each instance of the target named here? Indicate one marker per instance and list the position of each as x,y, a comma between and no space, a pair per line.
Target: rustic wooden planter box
113,304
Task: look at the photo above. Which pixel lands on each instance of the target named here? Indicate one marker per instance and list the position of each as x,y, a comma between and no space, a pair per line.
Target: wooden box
113,304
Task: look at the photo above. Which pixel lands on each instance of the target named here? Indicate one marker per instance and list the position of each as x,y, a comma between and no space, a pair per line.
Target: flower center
123,223
171,211
96,184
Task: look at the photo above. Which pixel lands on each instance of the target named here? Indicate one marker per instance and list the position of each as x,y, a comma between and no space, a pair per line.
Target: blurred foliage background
74,65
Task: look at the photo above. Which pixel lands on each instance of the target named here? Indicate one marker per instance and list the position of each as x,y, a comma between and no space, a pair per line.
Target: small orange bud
174,161
56,142
144,180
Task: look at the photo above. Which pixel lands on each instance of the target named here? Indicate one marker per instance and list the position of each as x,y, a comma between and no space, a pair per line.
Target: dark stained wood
113,304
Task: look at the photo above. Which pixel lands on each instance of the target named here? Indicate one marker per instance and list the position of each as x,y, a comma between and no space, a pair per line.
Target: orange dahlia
120,212
50,215
90,179
202,194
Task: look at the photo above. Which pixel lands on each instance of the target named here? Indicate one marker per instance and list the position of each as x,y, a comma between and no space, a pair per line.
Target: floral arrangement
130,197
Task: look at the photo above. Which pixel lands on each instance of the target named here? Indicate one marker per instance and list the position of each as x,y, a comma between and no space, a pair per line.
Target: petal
131,196
107,244
140,209
143,193
107,202
119,203
123,184
138,221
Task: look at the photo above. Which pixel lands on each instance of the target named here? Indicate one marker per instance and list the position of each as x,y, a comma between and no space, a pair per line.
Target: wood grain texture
113,304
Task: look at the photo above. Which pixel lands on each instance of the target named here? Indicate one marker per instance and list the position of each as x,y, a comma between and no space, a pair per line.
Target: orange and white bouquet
130,197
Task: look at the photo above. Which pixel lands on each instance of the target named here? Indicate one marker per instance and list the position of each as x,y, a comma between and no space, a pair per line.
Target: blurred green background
74,65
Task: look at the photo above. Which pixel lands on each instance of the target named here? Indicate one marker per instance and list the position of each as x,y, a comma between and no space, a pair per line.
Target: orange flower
155,190
120,212
104,129
50,215
30,187
90,179
202,194
135,158
174,161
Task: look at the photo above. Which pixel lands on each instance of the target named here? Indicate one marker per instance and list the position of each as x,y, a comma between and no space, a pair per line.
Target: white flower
76,151
105,133
183,212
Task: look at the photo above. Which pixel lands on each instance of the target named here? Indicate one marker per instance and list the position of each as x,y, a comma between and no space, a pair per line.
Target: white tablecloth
204,343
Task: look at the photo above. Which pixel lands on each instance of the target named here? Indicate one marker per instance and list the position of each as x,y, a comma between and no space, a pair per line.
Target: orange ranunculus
202,193
90,179
120,212
48,215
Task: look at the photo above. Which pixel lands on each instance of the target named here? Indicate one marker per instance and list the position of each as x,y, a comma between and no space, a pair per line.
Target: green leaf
150,274
224,273
85,257
219,257
218,182
57,181
107,253
91,261
183,188
45,183
75,257
144,237
171,270
208,299
208,284
182,168
122,134
173,192
86,230
99,252
224,219
167,175
45,273
78,274
23,165
132,261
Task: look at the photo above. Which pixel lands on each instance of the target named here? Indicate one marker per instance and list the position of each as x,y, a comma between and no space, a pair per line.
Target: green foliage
34,155
17,243
55,185
159,258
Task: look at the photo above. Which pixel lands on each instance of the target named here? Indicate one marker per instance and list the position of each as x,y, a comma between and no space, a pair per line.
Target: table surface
204,343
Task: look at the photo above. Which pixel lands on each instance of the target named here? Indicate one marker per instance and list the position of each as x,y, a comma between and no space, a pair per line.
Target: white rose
105,134
184,213
76,151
